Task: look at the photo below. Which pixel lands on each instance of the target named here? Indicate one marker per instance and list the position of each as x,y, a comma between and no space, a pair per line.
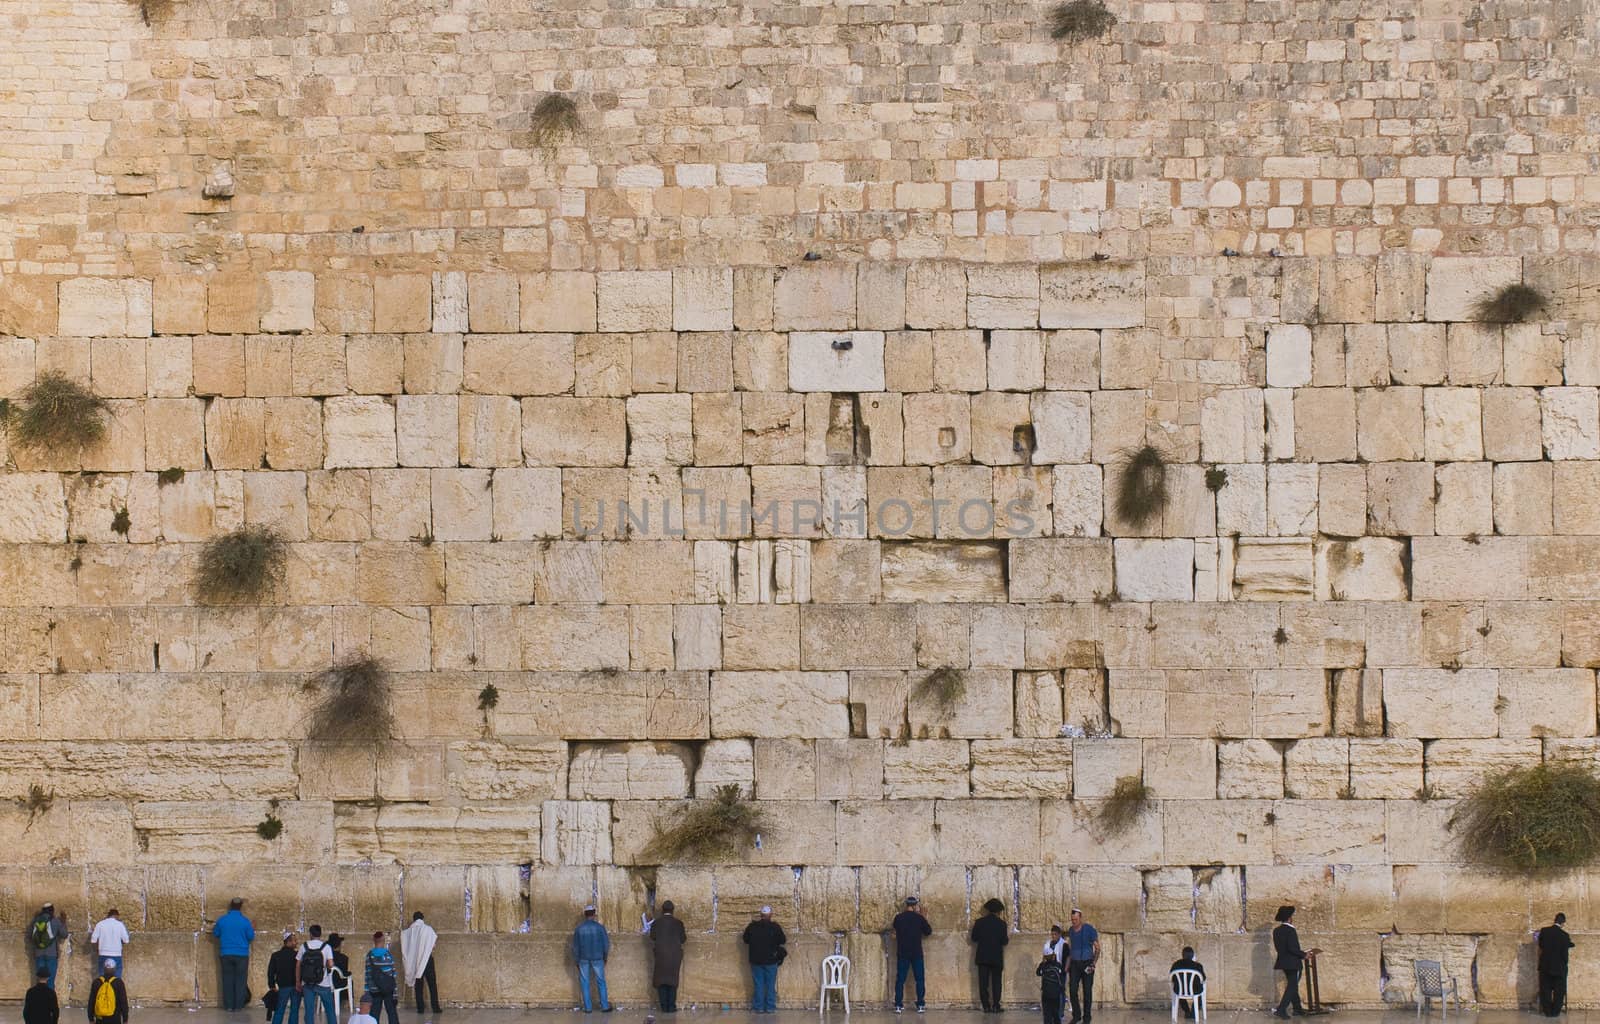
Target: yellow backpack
105,1000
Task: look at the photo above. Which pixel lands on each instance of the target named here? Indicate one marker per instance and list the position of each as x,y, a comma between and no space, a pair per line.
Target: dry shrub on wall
240,567
1128,799
716,829
1142,486
1544,817
56,414
555,121
354,704
1512,304
1079,20
943,686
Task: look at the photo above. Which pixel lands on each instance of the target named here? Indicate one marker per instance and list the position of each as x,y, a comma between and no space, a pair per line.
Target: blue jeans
314,994
765,998
913,965
598,969
47,963
288,1002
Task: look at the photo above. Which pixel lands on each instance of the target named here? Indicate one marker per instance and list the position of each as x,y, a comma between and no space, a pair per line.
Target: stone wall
804,373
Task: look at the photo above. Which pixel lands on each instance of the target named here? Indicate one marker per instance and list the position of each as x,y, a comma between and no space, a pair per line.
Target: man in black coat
39,1005
283,977
990,934
1291,960
1553,945
1187,962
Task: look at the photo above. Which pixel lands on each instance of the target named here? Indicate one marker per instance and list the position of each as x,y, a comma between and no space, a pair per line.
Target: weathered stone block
634,300
851,361
816,297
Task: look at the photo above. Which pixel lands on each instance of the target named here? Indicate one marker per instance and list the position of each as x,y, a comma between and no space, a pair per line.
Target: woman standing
668,935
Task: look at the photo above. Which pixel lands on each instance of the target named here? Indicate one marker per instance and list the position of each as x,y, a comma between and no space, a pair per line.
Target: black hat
994,906
1284,912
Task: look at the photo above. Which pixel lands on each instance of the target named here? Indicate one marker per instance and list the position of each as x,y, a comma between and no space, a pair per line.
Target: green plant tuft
1512,304
715,829
1216,479
56,413
1544,817
1079,20
488,697
943,686
1142,486
240,567
169,476
354,704
1128,799
121,522
555,121
269,828
1280,636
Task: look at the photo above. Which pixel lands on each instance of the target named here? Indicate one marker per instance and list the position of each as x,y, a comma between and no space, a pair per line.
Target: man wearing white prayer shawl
416,948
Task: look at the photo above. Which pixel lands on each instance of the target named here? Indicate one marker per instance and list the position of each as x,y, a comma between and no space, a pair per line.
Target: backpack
313,967
105,1000
380,971
43,935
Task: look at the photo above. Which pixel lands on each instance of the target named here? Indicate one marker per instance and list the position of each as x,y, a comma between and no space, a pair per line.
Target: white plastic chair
343,985
1191,984
835,978
1433,983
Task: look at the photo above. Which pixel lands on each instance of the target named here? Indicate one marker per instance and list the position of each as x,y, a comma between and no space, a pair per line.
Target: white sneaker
899,1009
922,1009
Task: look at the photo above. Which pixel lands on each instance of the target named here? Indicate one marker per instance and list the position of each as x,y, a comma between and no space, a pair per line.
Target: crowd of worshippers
314,973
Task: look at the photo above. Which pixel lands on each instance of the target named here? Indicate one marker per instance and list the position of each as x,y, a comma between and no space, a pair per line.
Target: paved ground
708,1015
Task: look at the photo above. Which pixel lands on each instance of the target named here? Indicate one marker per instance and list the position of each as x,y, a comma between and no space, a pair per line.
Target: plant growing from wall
488,697
1543,817
169,476
270,827
1216,479
37,802
354,704
555,121
56,413
1142,486
1080,20
1511,304
240,567
943,687
1128,799
121,521
715,829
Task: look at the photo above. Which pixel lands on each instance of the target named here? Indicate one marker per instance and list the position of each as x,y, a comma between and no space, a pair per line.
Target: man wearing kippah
910,927
765,939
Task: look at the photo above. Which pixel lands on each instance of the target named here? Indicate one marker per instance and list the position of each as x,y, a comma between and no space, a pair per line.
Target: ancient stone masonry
769,429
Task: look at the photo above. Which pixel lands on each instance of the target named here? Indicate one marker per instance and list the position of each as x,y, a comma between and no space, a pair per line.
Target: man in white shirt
363,1015
314,970
109,936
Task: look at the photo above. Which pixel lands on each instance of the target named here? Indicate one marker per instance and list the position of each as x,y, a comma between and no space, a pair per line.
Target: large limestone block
849,769
967,834
1324,831
1324,424
1430,703
1155,570
1181,769
1249,769
574,431
702,299
1073,832
1291,703
1022,768
816,297
558,301
915,769
1547,702
936,295
1387,769
800,704
1454,569
33,509
888,832
1288,356
1272,569
846,361
1092,295
1098,764
574,832
1389,424
634,300
1210,703
1064,569
977,709
943,572
519,364
1239,826
1232,426
856,636
288,301
360,431
629,771
105,307
1571,423
1002,295
1366,569
1454,768
522,770
1456,284
1213,635
202,831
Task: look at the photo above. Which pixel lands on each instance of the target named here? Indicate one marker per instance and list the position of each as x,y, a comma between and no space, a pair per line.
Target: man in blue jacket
591,946
234,934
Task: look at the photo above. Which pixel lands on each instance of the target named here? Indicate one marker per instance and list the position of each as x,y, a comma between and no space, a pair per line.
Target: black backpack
313,968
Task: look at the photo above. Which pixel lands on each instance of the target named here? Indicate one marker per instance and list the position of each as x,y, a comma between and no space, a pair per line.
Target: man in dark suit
1290,960
1553,945
1187,962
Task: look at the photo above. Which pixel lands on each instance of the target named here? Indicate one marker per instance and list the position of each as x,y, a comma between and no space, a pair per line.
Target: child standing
1051,983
